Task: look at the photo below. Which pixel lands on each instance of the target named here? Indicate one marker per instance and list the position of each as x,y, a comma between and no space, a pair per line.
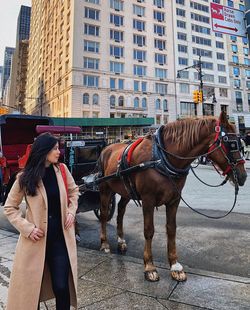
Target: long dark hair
35,166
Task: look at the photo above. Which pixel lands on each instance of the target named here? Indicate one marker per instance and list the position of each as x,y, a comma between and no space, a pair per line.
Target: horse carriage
17,133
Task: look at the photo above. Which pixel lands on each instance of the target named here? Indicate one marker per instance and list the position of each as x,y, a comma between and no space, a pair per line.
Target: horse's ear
223,119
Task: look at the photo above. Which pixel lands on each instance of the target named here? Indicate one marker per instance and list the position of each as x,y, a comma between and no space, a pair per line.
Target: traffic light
200,96
196,96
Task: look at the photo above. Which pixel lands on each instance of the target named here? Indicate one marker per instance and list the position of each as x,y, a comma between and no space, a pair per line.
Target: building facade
20,60
8,55
120,59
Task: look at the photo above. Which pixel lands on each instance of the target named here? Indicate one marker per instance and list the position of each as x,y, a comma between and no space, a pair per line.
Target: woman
45,264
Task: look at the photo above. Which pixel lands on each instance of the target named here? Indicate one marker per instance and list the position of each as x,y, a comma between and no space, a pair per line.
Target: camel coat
30,277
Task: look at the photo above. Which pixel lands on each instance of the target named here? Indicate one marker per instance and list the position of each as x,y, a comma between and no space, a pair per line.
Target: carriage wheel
111,210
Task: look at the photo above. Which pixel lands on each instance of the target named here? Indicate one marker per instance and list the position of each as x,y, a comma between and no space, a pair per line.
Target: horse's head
225,150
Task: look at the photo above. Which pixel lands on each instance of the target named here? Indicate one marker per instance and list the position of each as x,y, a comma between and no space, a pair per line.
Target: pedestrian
45,263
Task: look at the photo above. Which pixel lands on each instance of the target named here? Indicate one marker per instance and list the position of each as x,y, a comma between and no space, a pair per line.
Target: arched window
95,99
144,103
165,105
136,102
112,101
121,101
158,104
86,98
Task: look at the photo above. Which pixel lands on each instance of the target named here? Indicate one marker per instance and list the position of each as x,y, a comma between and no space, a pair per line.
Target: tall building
8,54
1,76
127,59
20,60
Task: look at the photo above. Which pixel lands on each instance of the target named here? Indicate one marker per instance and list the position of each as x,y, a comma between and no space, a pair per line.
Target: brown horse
187,139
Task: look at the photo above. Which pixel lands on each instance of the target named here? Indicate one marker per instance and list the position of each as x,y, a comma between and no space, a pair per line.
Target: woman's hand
36,234
70,220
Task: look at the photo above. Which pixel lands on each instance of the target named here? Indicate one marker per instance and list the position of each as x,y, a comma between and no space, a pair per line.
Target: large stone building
20,60
8,55
120,59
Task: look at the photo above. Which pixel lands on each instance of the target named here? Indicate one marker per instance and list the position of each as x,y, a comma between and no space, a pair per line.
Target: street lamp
198,67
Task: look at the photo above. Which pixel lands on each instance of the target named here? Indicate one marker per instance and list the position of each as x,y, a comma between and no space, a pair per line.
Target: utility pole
198,67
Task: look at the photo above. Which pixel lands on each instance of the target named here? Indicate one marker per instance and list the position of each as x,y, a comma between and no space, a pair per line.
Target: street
213,245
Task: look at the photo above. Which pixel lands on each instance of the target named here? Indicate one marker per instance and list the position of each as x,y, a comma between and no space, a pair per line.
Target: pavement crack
103,261
103,299
172,290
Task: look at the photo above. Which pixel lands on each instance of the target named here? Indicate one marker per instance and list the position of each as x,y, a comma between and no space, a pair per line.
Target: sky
9,10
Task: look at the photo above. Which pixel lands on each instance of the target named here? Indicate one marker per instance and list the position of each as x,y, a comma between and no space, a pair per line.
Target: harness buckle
217,129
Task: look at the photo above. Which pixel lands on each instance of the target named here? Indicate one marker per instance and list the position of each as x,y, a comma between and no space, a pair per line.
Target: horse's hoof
152,276
104,248
179,276
122,248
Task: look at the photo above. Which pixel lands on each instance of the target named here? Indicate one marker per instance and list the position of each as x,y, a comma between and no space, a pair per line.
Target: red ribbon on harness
131,149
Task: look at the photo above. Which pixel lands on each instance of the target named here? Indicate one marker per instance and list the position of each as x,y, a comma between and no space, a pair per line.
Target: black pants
58,263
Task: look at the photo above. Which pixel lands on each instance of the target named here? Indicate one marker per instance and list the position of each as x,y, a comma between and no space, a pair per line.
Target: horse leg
105,194
151,273
176,268
122,246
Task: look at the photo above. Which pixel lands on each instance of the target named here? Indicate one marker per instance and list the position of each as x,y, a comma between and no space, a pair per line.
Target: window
234,48
95,99
139,40
237,83
223,79
220,56
144,86
165,105
90,80
245,51
161,73
117,20
159,3
201,29
161,88
121,101
160,44
247,61
116,51
183,74
158,104
202,52
183,61
91,46
91,30
139,55
116,5
144,103
92,13
235,59
182,36
93,1
221,67
117,67
200,18
184,88
247,72
160,30
136,102
181,24
230,3
201,40
112,101
136,85
239,103
200,7
248,84
233,38
161,59
244,40
138,10
159,16
188,109
90,63
223,92
180,12
85,98
120,84
218,35
138,25
140,70
182,48
219,44
236,71
112,83
116,35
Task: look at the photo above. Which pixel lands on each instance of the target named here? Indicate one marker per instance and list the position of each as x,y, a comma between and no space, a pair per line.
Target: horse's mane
186,132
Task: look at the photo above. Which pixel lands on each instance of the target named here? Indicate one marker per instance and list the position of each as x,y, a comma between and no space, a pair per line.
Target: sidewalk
117,282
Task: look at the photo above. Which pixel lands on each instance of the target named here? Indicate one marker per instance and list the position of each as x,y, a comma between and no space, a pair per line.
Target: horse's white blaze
176,267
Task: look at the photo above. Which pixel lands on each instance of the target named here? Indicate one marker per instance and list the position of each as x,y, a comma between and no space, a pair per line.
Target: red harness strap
131,149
